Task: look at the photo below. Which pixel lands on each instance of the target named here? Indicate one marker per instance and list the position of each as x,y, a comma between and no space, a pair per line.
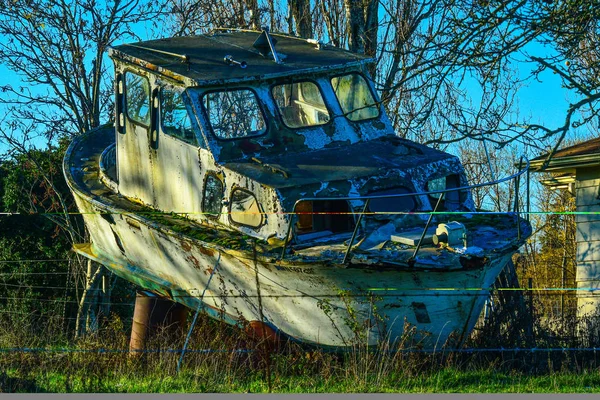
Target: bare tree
193,16
361,17
332,22
301,15
57,48
447,70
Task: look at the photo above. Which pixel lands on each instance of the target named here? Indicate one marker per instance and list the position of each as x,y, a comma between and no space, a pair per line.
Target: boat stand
153,314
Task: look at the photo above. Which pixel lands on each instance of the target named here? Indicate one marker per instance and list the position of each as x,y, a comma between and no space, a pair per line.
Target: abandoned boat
256,177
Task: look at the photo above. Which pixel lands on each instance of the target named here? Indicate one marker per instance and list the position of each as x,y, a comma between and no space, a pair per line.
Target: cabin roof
200,58
583,154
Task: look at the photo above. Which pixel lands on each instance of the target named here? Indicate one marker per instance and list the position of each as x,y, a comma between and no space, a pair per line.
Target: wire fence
438,292
7,282
184,213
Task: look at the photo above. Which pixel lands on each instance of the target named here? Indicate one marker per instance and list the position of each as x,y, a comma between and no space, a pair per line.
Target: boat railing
108,157
107,165
515,178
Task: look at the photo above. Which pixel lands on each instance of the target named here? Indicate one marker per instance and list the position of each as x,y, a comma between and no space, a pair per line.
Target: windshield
234,114
300,104
355,97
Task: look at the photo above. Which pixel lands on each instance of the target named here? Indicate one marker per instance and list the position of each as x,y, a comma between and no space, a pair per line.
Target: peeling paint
175,251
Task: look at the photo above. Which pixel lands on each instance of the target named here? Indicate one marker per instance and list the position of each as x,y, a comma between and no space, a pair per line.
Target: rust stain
186,246
207,251
194,261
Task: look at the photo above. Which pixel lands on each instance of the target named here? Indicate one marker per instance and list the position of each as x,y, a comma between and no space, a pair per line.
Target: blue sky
544,102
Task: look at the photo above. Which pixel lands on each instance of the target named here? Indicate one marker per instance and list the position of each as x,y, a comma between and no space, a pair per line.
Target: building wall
588,240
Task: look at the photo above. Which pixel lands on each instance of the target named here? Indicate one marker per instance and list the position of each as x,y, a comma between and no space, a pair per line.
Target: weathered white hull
315,303
309,299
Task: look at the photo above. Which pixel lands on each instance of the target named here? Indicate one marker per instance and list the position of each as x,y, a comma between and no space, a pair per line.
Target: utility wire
184,213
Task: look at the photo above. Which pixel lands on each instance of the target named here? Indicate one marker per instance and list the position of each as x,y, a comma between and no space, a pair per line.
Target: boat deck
487,234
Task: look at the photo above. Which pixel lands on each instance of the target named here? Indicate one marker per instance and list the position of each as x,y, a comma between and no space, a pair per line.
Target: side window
234,114
391,205
300,104
213,196
355,97
174,117
451,200
244,209
137,98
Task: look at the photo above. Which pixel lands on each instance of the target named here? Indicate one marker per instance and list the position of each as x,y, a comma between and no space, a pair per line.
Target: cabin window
212,200
300,104
451,200
355,97
392,205
323,218
137,98
234,114
244,209
175,118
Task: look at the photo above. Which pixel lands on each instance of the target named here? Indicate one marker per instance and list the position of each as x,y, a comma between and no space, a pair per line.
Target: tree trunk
332,29
300,10
371,27
254,14
89,298
362,24
271,15
355,18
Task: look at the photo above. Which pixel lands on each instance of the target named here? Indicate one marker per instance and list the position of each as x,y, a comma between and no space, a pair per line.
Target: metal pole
528,195
187,339
287,236
355,231
413,259
262,321
487,154
517,187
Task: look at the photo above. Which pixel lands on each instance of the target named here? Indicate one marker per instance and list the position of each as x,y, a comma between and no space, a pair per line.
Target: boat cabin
233,129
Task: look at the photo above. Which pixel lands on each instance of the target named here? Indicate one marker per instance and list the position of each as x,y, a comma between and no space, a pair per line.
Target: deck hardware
317,43
185,59
265,44
228,59
119,104
413,259
154,119
355,231
451,233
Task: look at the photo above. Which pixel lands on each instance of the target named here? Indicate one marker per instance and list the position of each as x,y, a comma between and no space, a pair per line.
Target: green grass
153,379
293,370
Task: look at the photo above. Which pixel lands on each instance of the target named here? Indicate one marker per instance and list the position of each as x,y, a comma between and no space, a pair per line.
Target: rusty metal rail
514,177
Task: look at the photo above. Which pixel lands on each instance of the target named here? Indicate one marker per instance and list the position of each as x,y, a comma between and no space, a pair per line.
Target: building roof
200,58
585,154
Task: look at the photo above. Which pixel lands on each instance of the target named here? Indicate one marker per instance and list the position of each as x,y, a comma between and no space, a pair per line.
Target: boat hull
314,303
308,297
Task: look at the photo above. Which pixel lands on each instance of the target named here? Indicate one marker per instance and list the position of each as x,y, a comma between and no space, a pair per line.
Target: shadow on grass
9,384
